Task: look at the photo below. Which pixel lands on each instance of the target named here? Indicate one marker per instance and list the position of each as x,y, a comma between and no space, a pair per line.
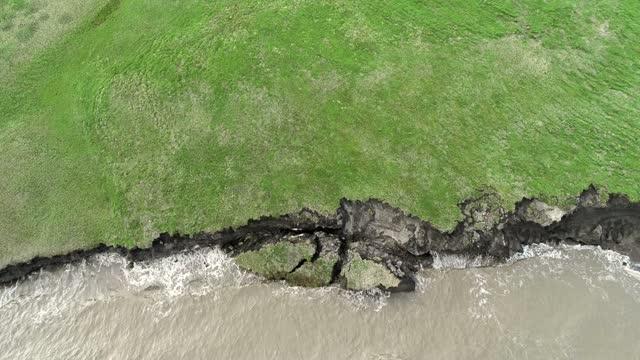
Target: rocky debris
373,244
536,211
377,231
614,226
387,228
482,213
593,197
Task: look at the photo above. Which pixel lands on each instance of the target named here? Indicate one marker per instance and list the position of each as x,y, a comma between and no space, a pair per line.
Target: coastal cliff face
371,244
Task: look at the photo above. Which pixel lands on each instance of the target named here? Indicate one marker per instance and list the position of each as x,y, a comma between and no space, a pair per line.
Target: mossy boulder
275,261
302,260
362,274
314,274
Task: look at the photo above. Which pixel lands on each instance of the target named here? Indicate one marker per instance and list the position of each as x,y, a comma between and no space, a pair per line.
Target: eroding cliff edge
369,244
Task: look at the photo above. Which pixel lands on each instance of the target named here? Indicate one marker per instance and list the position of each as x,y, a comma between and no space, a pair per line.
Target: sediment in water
368,244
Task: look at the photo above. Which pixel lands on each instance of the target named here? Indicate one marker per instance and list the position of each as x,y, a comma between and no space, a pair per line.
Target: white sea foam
452,261
193,272
106,276
52,294
537,250
612,261
103,277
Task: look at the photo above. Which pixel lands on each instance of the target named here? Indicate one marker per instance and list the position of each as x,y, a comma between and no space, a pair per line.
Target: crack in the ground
342,259
314,257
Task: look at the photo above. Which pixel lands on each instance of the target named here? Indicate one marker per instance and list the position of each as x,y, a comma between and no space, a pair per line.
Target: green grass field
120,119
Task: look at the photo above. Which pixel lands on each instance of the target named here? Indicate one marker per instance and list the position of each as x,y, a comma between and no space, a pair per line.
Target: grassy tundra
120,119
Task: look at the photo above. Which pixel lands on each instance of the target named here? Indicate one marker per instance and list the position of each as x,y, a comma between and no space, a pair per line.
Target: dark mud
374,232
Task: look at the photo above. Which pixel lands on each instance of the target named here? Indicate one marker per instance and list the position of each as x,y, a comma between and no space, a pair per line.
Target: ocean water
547,303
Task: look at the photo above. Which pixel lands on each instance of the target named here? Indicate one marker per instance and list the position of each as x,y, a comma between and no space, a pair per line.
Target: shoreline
368,244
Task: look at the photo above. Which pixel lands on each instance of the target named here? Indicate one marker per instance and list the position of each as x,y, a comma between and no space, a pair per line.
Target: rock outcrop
368,244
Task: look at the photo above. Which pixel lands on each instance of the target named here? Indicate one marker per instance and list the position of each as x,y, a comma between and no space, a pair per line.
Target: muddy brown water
550,303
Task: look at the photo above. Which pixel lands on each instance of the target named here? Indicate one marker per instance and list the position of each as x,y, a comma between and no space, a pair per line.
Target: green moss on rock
275,261
314,274
363,274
